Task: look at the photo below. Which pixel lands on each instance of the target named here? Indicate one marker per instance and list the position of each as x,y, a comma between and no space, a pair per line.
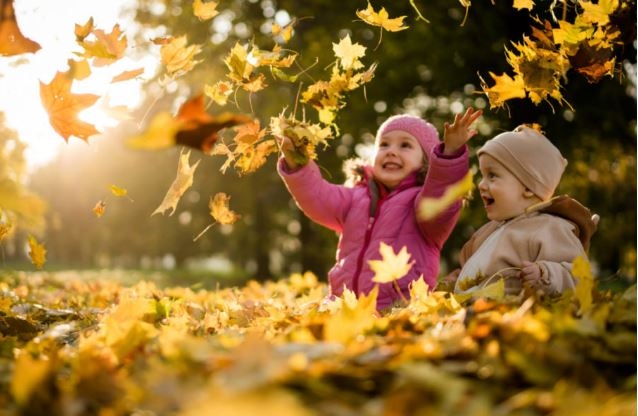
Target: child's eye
406,145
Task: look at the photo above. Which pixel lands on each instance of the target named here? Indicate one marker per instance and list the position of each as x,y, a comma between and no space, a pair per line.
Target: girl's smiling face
398,154
503,195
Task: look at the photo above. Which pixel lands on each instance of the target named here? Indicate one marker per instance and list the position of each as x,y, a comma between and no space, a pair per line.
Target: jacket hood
568,208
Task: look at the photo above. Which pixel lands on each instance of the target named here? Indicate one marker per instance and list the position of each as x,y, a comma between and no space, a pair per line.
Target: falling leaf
63,107
12,41
99,209
581,270
505,88
178,57
198,129
182,182
219,92
429,208
349,53
107,47
37,252
117,191
82,31
219,209
160,133
205,11
285,32
523,4
381,19
79,70
392,266
126,75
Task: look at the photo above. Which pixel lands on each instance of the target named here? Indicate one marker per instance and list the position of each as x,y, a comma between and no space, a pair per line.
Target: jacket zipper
364,248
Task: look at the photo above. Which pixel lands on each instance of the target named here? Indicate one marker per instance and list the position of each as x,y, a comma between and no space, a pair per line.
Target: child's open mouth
391,165
487,201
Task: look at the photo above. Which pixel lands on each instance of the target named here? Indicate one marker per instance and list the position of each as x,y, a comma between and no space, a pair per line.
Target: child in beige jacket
532,237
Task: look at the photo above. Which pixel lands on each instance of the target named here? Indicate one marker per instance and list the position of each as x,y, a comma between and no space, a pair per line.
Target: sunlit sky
52,24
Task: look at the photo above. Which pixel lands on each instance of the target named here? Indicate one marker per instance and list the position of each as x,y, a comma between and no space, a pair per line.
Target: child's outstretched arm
455,135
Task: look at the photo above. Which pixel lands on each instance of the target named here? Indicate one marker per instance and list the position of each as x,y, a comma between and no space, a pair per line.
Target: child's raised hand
288,151
457,134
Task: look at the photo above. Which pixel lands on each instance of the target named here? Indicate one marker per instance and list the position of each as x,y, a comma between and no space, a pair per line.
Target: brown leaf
198,129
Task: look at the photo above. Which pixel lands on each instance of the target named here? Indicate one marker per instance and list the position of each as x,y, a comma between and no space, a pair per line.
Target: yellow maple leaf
106,47
37,252
178,57
381,19
585,283
392,266
349,53
219,92
205,11
504,88
99,209
523,4
182,182
598,13
429,208
353,318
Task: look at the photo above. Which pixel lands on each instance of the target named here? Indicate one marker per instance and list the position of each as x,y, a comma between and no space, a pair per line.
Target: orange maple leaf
198,129
37,252
12,41
63,107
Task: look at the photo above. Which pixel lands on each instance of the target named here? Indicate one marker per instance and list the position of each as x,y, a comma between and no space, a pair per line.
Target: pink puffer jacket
346,210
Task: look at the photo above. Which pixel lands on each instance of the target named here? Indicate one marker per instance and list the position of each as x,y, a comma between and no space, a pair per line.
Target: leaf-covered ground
72,346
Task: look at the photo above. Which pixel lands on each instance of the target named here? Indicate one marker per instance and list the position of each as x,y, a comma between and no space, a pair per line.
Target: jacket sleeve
556,246
323,202
442,172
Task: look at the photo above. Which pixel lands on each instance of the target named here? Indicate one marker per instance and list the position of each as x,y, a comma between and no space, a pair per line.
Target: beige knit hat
530,156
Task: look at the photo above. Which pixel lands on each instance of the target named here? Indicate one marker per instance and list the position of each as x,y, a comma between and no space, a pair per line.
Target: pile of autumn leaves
72,346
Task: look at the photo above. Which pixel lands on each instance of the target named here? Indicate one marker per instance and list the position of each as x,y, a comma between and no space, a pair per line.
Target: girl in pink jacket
410,163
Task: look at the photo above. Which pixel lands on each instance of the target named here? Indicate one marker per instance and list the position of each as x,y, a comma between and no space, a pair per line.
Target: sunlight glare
52,25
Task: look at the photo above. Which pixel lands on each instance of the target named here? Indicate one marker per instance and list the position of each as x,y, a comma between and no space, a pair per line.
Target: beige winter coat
551,234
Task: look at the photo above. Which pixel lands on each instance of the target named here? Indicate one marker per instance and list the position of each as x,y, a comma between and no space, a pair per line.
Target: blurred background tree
431,69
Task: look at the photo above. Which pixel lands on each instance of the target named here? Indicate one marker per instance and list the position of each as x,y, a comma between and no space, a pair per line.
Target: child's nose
481,184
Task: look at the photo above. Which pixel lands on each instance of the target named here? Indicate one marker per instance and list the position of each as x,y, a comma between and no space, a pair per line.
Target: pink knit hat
423,131
530,156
